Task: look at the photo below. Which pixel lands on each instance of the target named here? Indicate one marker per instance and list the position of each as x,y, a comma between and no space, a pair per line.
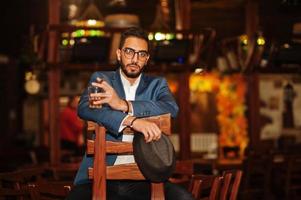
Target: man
128,95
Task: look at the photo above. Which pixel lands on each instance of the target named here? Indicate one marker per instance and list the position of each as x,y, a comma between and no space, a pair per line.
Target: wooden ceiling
226,16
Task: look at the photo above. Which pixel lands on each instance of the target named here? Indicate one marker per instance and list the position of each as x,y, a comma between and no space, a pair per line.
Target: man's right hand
109,96
150,130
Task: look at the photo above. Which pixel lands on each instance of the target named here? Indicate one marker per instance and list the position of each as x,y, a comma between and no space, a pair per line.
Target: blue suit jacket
153,97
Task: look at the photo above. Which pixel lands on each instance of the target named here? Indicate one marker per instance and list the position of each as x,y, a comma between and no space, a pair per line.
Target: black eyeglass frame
134,52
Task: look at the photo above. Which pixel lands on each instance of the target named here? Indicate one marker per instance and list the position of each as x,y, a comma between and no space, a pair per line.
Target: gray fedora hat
156,160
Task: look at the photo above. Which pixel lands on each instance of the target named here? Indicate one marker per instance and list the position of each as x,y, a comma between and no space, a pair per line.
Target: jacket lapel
142,85
117,84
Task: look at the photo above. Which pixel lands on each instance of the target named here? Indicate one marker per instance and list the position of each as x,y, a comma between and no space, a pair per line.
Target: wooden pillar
184,116
253,110
252,18
183,12
252,25
53,81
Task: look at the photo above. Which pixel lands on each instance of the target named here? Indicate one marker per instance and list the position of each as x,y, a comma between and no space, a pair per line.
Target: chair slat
215,188
91,126
119,147
124,171
90,147
231,183
225,186
162,121
199,183
111,147
236,184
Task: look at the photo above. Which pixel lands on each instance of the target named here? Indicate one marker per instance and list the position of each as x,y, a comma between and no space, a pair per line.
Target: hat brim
156,159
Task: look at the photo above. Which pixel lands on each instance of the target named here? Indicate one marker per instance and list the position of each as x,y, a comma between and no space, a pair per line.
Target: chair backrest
225,186
205,186
292,177
257,176
231,183
184,167
100,147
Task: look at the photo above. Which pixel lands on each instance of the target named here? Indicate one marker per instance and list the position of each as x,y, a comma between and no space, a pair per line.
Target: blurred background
234,67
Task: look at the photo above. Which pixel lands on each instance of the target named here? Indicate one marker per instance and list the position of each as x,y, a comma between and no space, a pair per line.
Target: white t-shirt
130,93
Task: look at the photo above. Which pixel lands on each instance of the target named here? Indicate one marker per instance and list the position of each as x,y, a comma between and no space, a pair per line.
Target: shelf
161,68
280,70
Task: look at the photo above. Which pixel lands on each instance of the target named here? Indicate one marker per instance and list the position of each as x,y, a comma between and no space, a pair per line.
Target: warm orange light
230,100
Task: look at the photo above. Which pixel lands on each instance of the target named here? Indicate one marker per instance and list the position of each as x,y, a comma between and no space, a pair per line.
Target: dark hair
133,32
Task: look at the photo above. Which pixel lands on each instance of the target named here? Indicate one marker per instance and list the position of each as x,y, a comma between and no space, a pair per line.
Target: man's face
133,56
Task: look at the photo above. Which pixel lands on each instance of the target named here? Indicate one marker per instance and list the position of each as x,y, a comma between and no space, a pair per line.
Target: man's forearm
151,108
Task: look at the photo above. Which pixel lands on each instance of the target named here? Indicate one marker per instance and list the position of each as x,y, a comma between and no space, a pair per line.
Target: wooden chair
63,172
231,183
13,185
19,178
292,182
256,179
183,173
100,147
225,186
49,191
23,193
205,187
31,184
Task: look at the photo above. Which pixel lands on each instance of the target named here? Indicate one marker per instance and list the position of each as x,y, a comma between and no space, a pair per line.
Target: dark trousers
130,190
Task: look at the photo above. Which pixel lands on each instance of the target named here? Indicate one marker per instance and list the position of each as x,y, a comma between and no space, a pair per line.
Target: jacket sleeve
163,102
106,116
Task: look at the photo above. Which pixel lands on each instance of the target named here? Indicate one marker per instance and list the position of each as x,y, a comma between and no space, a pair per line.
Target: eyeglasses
129,53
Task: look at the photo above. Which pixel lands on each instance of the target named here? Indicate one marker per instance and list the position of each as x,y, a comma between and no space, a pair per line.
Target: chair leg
157,191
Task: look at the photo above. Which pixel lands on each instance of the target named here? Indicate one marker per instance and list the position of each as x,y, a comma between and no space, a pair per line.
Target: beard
129,73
